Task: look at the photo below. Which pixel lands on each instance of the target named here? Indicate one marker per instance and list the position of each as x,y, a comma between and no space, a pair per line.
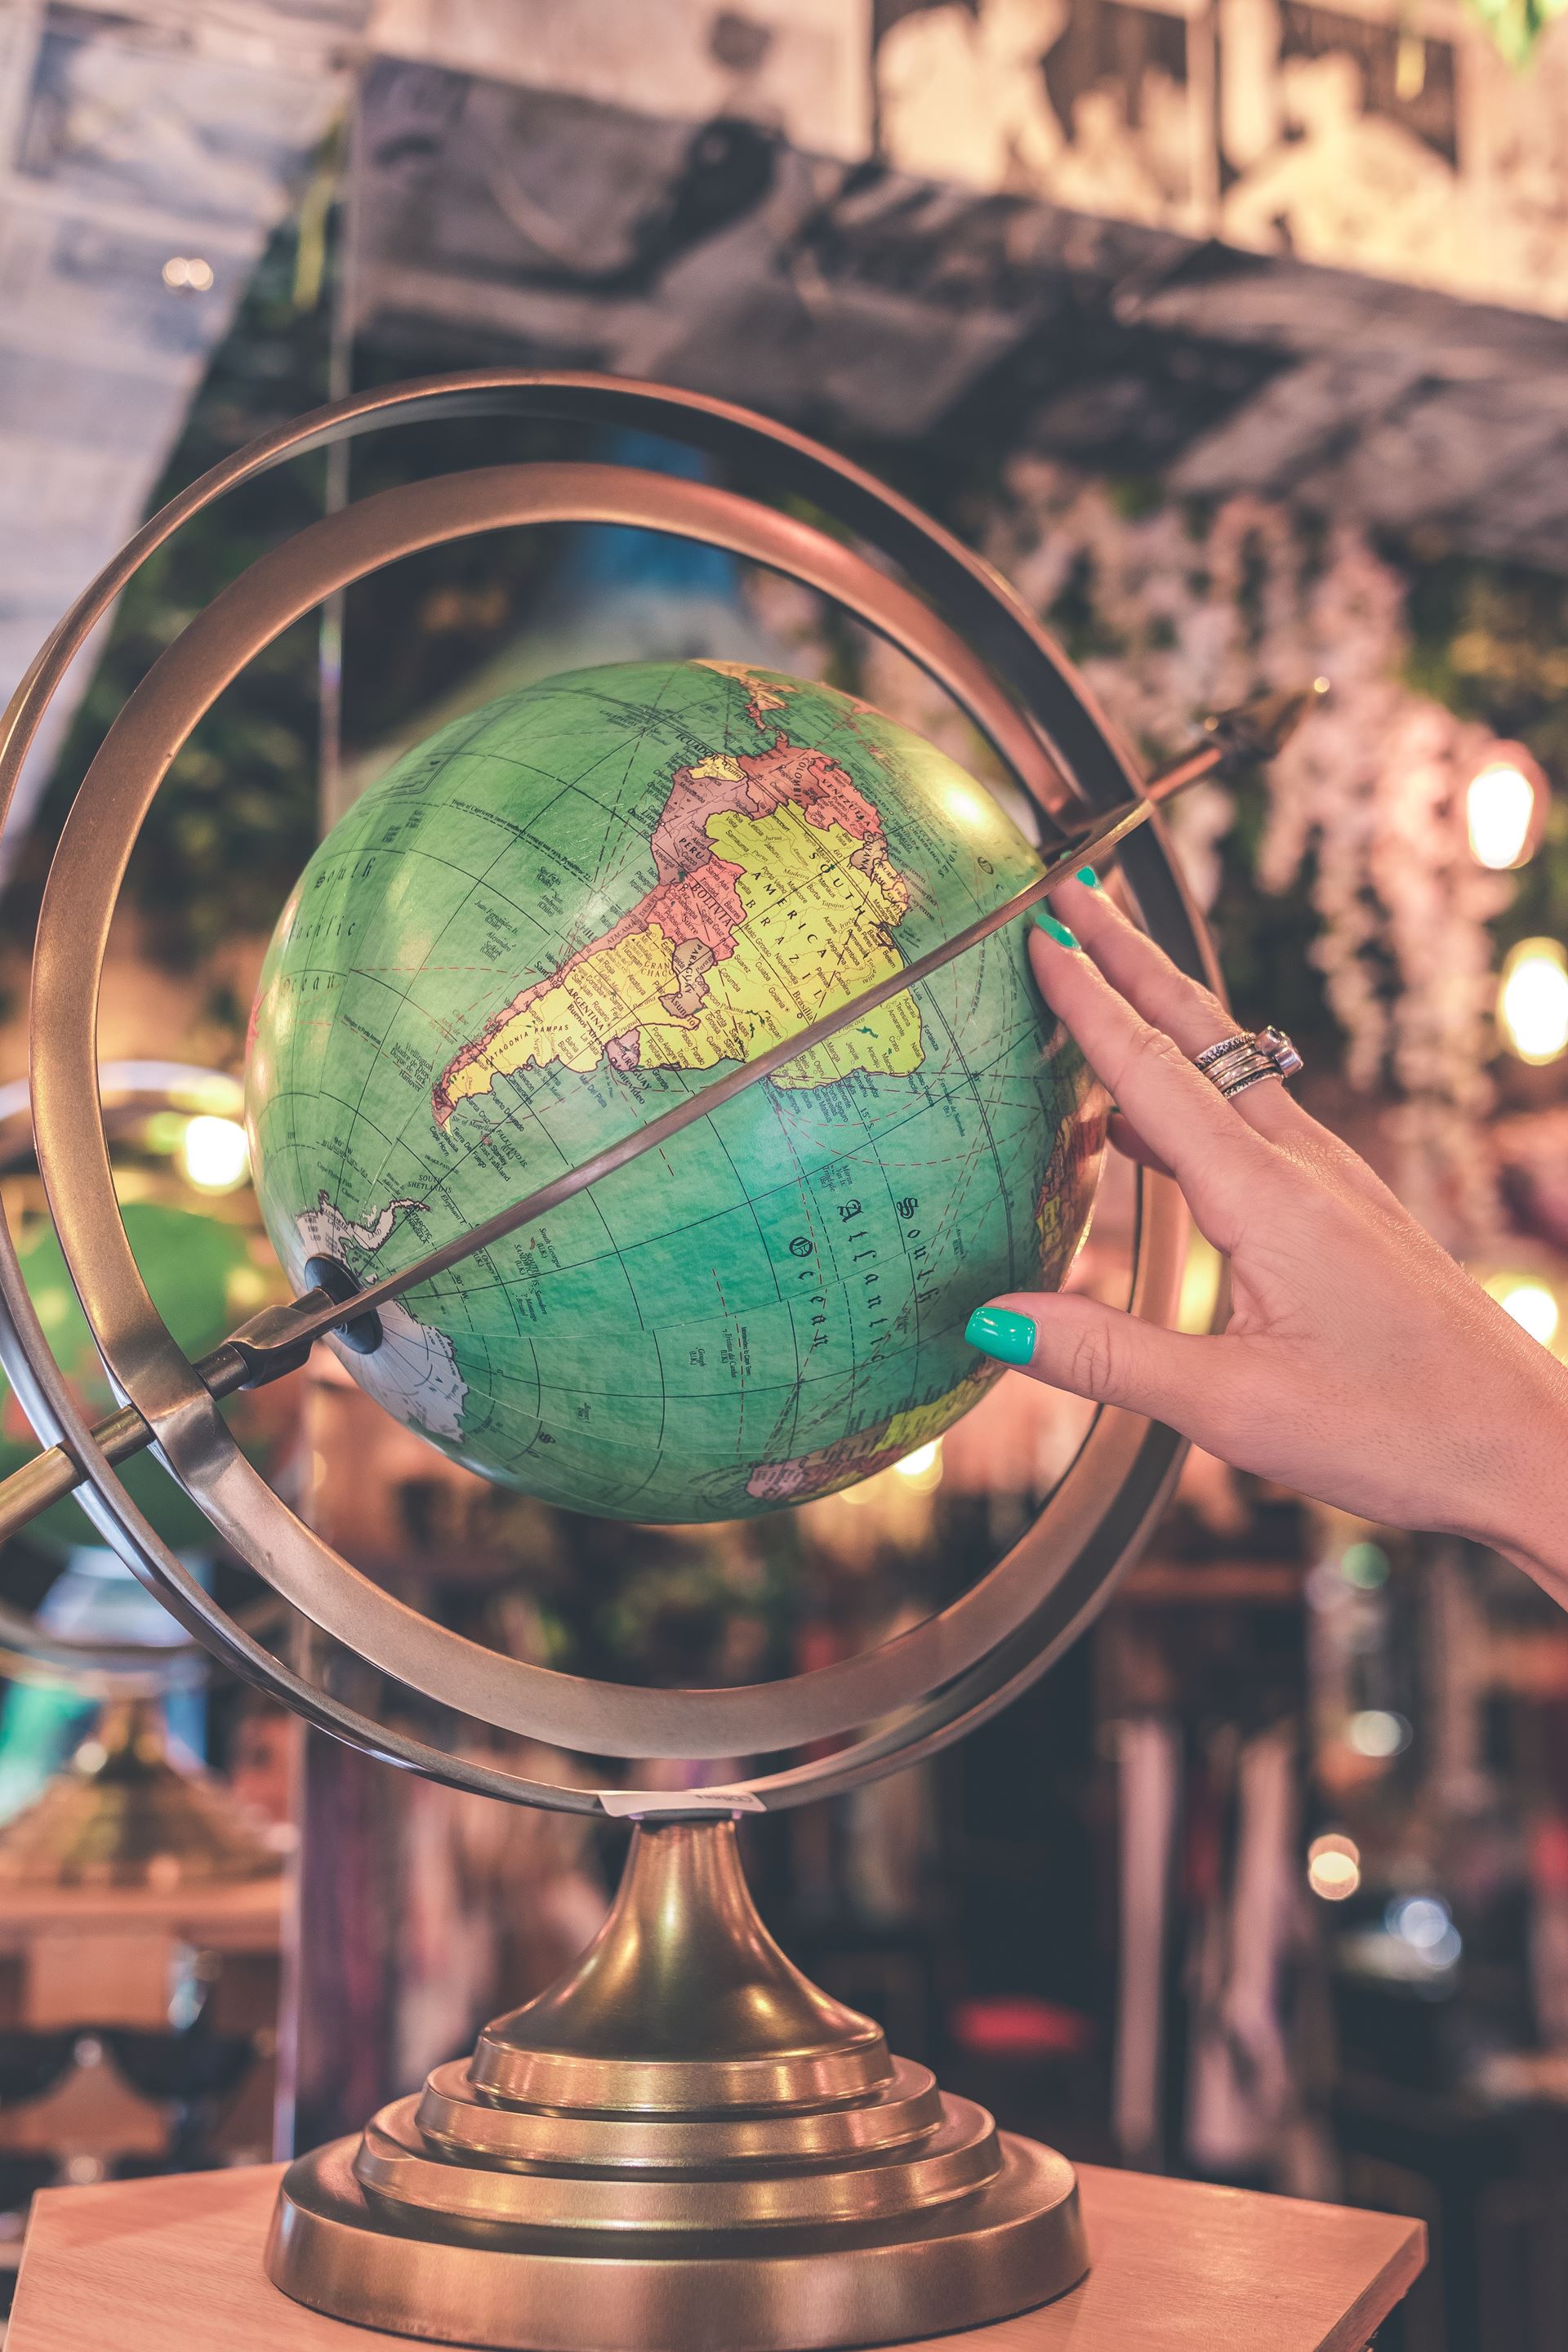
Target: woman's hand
1361,1364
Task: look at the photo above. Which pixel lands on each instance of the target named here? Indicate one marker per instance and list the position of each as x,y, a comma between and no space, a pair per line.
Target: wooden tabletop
164,2265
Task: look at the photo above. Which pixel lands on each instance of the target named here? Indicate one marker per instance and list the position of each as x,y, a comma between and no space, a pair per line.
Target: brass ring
90,1664
944,1676
507,1693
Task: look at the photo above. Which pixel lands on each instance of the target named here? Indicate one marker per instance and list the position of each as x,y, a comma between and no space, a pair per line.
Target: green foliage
1516,26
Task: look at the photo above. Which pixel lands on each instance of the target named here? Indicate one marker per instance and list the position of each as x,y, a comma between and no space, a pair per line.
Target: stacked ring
1235,1063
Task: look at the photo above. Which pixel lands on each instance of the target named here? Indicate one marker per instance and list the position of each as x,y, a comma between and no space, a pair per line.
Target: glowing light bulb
1532,1306
1533,1000
214,1154
1334,1867
1499,811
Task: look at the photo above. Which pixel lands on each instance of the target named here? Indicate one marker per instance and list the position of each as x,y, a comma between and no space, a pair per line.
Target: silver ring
1246,1058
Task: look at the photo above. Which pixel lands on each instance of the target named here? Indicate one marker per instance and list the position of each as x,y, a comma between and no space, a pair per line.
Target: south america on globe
564,913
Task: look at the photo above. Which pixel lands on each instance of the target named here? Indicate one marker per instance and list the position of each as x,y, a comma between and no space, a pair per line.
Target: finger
1194,1016
1223,1166
1169,998
1076,1343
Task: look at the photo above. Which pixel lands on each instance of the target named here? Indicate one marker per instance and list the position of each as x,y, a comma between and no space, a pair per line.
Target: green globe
562,914
203,1276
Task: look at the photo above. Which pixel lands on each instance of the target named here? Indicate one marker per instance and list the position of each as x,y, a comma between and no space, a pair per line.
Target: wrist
1543,1560
1526,1519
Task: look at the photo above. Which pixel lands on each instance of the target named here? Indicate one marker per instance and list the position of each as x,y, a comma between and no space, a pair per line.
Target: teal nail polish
1086,874
997,1331
1053,930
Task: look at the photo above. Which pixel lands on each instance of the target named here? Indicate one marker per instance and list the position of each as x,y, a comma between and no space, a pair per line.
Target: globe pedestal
682,2147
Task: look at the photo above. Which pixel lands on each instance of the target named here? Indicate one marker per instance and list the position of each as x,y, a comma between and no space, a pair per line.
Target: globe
564,912
203,1276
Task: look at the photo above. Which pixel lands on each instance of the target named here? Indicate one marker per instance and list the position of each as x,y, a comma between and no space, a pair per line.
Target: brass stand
682,2147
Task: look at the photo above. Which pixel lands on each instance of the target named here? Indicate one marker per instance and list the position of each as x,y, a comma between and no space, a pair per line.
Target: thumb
1092,1351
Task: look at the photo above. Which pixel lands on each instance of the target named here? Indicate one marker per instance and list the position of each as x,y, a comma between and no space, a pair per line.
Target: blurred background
1234,331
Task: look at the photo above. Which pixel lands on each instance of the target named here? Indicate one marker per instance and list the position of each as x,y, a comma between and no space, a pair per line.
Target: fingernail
997,1331
1086,874
1053,930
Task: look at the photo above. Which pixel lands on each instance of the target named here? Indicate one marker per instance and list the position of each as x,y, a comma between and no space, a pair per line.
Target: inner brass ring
30,1650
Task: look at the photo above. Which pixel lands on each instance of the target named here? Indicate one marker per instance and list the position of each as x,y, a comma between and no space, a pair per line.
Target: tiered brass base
682,2147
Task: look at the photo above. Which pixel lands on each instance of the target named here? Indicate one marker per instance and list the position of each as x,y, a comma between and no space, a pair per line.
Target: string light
1505,808
1533,1000
1334,1867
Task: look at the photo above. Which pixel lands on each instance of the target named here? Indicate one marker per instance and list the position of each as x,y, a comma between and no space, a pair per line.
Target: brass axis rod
279,1340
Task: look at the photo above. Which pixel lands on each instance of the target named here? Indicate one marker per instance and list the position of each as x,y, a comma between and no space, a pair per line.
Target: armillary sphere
683,2143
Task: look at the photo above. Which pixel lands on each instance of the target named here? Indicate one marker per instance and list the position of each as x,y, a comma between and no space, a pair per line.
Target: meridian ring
973,1655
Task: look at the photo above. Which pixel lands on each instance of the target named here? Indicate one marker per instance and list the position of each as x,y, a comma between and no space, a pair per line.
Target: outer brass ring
94,847
600,1718
1128,1460
30,1651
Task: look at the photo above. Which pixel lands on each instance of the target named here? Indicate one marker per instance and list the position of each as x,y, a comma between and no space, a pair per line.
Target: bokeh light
1505,808
187,273
1378,1733
1533,1000
1531,1306
923,1468
1334,1867
1427,1925
1365,1565
214,1154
